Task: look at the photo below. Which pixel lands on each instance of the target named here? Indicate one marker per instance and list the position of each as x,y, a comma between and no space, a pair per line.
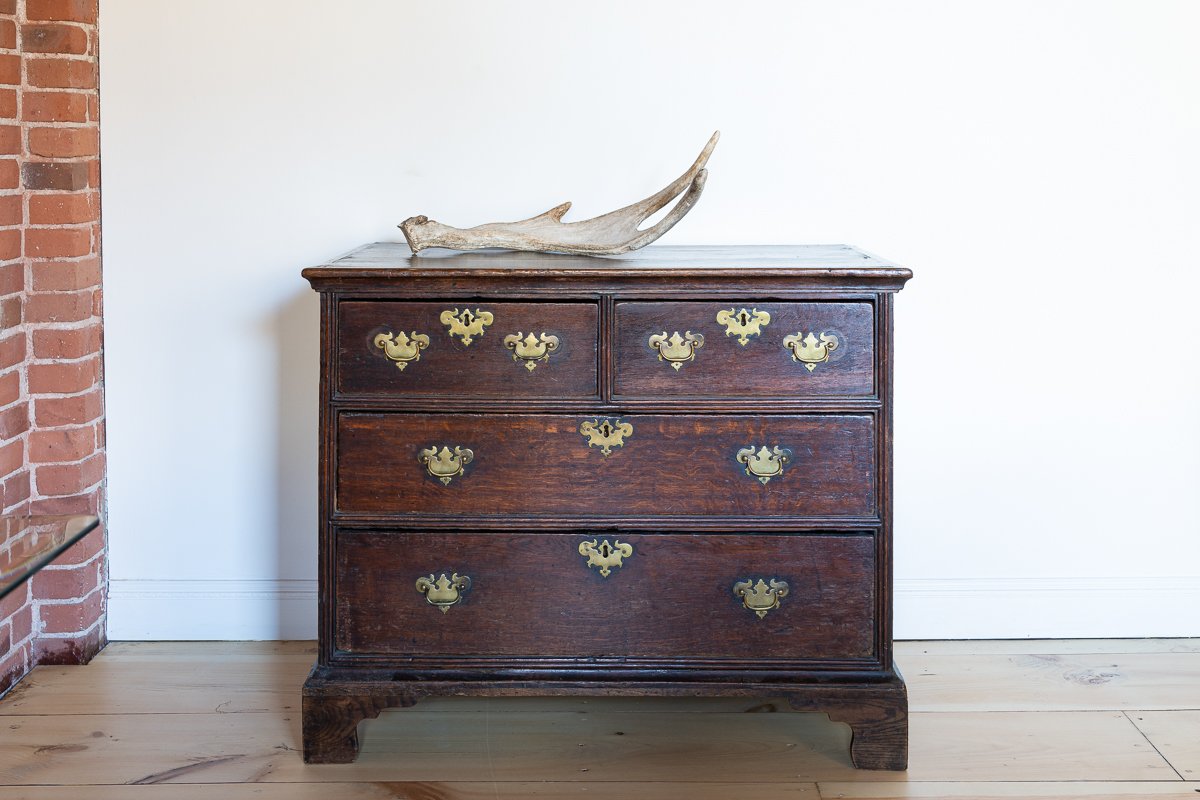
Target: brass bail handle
442,592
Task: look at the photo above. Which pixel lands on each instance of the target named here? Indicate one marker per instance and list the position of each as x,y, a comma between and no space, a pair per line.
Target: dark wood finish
533,465
530,595
485,368
762,368
537,620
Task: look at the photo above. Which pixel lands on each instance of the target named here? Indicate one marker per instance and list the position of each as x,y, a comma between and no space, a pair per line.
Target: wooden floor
1027,719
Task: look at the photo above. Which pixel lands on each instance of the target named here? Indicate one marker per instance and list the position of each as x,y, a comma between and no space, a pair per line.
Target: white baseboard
1047,608
1010,608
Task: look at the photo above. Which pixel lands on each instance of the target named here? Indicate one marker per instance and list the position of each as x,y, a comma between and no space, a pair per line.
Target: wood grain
533,465
483,369
427,790
1175,734
672,598
411,745
1046,682
1016,790
762,368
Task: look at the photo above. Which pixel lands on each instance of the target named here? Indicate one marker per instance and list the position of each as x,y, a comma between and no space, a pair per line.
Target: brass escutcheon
605,555
763,464
808,351
531,349
443,592
466,324
744,323
401,348
676,349
607,433
760,597
445,464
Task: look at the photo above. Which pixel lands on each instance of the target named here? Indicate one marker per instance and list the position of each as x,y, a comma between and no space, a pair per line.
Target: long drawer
478,350
637,465
744,349
803,597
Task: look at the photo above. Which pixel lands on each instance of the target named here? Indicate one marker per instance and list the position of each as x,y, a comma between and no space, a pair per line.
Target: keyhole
468,317
606,429
605,550
743,317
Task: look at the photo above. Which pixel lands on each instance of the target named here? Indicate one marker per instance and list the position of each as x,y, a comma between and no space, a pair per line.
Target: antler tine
610,234
639,212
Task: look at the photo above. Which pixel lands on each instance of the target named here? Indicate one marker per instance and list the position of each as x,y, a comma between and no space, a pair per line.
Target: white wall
1034,162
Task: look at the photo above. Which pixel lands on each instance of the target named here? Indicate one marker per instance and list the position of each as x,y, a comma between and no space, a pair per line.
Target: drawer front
453,349
669,597
785,350
543,465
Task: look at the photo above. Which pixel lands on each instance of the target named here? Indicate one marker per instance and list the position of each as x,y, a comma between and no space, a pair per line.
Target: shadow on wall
296,334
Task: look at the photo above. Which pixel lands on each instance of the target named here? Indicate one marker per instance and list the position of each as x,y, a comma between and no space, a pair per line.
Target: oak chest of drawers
663,474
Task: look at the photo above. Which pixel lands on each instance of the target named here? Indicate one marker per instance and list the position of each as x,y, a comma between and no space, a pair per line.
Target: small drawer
744,349
455,349
638,465
807,597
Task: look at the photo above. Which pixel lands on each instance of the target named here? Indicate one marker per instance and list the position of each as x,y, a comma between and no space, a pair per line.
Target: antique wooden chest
662,474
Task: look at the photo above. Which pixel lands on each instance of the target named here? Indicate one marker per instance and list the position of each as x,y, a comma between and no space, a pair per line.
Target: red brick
6,639
12,457
8,34
93,105
14,602
70,650
10,245
58,307
12,210
52,39
10,139
12,350
66,584
50,107
12,278
76,410
10,69
10,312
86,548
22,624
14,491
59,73
8,6
72,617
55,175
93,173
13,667
61,276
62,209
14,421
10,387
10,174
67,378
58,242
50,343
8,103
58,479
64,142
61,11
61,445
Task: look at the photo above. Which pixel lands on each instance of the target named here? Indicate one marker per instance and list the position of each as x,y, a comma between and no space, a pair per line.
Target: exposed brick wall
51,401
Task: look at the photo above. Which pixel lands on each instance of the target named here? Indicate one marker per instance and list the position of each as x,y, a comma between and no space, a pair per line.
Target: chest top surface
390,262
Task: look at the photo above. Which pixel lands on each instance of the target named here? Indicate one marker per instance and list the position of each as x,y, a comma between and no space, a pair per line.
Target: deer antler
610,234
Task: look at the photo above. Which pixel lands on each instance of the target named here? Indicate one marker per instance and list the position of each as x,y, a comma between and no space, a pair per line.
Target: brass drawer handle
676,349
762,463
808,351
443,592
744,323
466,324
401,348
445,464
531,349
607,433
605,555
760,597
